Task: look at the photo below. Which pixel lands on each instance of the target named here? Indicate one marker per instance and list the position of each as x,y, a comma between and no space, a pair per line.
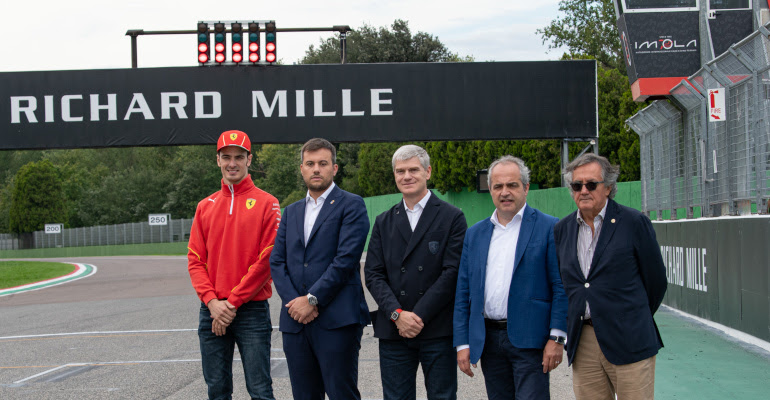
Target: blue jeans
250,330
398,368
511,372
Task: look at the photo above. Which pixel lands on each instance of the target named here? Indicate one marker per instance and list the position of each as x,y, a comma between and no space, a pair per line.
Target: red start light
203,58
220,58
237,58
270,47
219,47
253,47
270,57
253,57
237,47
203,47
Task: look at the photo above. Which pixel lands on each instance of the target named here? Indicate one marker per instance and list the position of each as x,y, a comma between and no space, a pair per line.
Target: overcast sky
90,34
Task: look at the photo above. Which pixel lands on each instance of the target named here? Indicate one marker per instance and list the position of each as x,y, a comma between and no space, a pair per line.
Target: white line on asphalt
122,363
43,373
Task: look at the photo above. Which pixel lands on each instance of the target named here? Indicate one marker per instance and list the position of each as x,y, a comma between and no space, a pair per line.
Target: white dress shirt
414,215
586,244
313,208
500,262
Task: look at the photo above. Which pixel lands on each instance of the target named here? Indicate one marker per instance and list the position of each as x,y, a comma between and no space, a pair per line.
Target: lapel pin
612,220
333,203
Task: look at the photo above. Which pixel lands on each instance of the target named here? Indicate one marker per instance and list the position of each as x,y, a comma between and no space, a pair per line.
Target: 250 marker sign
159,219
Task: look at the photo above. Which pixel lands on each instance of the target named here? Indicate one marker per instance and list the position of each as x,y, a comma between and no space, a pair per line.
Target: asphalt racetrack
130,332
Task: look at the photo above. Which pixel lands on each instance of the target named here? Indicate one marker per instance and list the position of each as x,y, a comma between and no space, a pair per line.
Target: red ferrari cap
234,138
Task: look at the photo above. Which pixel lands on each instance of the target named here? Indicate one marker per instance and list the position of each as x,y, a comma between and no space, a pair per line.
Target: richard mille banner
290,104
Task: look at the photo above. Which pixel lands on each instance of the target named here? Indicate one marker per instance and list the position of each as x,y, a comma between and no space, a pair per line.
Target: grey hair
509,159
410,151
609,172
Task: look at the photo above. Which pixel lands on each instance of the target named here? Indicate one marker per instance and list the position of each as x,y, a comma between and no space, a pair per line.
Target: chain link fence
720,167
177,230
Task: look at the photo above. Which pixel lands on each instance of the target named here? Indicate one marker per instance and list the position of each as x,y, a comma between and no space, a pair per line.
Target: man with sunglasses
614,276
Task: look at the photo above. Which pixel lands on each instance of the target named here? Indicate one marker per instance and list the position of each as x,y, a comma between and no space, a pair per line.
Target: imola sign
290,104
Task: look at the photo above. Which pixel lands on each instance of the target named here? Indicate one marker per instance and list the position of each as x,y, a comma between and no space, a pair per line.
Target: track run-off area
126,328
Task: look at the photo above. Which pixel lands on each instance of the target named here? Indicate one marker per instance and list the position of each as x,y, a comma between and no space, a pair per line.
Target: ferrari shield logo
433,247
250,203
234,136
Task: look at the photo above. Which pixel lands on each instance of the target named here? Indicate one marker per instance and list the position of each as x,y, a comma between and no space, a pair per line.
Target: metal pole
343,48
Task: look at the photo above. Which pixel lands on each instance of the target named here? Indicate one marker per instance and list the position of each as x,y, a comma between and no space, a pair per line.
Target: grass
16,273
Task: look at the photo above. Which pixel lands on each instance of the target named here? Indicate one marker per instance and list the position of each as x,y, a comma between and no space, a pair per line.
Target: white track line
121,363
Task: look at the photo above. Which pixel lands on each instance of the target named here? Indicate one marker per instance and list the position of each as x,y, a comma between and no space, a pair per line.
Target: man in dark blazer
315,266
411,271
510,307
615,279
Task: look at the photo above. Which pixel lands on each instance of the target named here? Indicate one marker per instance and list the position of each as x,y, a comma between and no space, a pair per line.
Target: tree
376,174
365,169
277,169
377,45
37,197
198,177
587,29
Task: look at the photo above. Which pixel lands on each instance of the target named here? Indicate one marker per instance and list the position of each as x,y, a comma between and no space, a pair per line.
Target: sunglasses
578,186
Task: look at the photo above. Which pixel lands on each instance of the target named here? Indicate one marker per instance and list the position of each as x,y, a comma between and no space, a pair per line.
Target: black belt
496,323
588,321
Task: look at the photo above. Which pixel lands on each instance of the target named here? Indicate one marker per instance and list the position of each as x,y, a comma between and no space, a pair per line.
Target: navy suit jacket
536,300
415,271
329,266
625,284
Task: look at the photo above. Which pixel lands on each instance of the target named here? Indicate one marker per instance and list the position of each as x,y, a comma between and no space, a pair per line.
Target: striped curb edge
81,271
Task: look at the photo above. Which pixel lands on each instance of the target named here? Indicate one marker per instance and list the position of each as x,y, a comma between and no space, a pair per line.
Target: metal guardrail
722,168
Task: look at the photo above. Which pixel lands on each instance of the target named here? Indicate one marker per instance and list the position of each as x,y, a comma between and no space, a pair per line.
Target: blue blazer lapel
330,205
300,220
482,252
609,224
525,232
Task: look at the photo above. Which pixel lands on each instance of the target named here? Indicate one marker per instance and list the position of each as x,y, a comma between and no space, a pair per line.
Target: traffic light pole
342,29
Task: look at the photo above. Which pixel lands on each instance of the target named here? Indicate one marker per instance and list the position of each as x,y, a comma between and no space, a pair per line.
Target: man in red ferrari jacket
229,262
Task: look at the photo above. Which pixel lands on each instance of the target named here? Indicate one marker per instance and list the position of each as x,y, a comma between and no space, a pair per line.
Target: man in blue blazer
615,278
510,306
315,266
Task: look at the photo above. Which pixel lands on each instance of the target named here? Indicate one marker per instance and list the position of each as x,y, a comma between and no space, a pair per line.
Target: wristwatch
312,300
394,315
558,339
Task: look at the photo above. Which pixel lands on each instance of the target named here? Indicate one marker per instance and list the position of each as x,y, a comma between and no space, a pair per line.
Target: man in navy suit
315,266
615,279
510,307
411,271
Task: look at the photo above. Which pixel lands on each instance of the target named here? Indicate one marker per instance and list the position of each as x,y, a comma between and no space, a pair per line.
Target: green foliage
197,177
586,28
377,45
276,168
455,163
376,175
37,197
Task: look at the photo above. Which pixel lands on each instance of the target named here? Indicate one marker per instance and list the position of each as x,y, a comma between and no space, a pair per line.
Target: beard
318,186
